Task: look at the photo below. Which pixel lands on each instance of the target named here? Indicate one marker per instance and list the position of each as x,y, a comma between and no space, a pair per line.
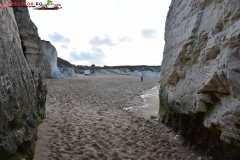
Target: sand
85,120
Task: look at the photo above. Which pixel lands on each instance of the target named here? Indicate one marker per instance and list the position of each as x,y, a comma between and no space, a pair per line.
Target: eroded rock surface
22,91
50,61
67,71
66,68
139,71
200,76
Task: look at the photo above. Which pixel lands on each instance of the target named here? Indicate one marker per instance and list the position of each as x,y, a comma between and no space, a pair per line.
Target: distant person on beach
141,78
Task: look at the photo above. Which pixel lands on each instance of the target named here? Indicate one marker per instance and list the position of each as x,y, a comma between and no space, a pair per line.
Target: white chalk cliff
50,61
200,76
55,67
143,72
67,71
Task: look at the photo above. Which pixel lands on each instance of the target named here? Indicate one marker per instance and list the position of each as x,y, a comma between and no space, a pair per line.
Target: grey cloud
149,33
123,39
96,41
56,37
64,46
96,56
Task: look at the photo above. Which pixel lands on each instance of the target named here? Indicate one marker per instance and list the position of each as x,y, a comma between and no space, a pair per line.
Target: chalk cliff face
50,61
200,77
53,66
22,91
66,68
67,71
146,73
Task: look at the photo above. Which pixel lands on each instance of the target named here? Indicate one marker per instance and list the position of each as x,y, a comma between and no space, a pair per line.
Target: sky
105,32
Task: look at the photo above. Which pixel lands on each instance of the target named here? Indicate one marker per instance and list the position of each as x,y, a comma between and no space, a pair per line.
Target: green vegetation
61,61
128,66
39,120
138,67
88,67
133,68
93,67
26,152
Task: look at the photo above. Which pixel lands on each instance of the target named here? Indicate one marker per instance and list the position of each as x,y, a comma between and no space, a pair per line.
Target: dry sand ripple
85,120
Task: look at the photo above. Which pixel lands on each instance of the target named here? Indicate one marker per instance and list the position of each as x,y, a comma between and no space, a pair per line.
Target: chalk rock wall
22,91
67,71
66,68
104,71
138,72
53,66
50,61
200,76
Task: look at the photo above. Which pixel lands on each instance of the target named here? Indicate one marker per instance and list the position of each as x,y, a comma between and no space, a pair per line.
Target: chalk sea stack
22,91
200,74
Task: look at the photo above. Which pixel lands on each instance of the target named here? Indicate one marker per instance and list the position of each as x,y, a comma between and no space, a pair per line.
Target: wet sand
85,120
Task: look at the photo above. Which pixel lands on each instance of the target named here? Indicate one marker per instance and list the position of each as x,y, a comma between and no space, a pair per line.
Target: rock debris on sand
86,120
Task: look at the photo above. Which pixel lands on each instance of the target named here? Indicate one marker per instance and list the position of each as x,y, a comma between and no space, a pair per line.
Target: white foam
154,88
143,106
145,95
129,109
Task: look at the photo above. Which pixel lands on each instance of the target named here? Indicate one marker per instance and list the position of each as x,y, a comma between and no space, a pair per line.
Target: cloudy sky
105,32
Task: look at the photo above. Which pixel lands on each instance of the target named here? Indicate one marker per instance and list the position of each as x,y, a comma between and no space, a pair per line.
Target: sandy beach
87,119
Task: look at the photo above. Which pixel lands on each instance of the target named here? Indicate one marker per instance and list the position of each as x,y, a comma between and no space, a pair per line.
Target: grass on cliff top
61,61
139,67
